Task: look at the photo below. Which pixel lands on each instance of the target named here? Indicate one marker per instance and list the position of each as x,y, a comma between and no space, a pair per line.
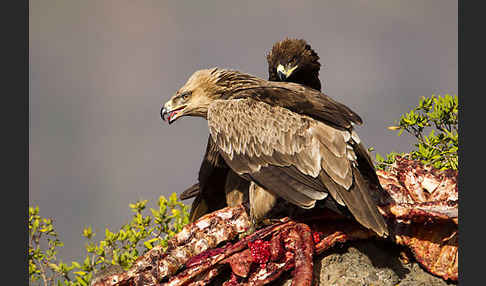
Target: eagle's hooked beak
163,113
285,72
170,112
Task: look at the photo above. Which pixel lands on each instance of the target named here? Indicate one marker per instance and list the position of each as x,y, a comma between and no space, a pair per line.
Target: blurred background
100,70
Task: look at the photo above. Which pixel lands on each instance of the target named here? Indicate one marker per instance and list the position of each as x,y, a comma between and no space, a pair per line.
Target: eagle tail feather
199,208
190,192
359,202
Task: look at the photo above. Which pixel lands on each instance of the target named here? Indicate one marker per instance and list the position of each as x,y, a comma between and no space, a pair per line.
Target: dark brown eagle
293,60
288,139
290,60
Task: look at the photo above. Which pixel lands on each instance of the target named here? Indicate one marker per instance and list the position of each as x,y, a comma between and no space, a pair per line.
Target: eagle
289,60
291,140
293,60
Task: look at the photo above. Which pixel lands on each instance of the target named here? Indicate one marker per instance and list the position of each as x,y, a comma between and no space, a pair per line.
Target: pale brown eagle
289,60
291,140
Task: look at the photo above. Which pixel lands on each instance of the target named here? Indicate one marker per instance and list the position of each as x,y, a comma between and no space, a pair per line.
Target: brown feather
302,100
262,200
359,202
212,177
198,208
236,189
190,192
247,120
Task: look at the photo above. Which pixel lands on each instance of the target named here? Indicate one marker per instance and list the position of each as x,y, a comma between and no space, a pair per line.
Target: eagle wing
292,155
302,100
211,177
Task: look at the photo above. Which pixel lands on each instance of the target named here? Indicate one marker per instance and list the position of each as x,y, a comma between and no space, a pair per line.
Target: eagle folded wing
292,155
302,100
283,151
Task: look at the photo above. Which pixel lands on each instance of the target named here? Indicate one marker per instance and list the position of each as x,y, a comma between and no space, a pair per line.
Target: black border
460,179
471,198
15,149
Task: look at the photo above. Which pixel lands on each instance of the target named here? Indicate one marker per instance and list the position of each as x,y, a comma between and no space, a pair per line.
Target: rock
369,262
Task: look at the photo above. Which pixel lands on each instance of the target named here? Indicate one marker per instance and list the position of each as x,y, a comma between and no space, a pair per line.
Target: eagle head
194,98
293,60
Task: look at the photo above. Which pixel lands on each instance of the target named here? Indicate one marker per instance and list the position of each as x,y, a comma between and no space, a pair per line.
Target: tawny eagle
291,140
289,60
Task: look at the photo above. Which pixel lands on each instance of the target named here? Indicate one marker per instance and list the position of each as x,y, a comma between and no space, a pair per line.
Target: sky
100,71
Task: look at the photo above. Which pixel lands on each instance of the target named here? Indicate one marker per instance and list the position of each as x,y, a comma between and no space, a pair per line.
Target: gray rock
370,262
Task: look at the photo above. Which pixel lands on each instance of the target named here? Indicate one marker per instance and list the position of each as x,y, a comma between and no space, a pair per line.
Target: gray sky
100,70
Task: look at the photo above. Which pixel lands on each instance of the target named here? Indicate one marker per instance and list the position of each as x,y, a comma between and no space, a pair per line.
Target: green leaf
148,245
436,115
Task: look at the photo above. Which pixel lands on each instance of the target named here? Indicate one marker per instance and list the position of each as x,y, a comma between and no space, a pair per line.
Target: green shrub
437,115
121,248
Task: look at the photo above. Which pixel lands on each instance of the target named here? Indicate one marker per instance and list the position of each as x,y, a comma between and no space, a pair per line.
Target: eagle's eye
185,95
